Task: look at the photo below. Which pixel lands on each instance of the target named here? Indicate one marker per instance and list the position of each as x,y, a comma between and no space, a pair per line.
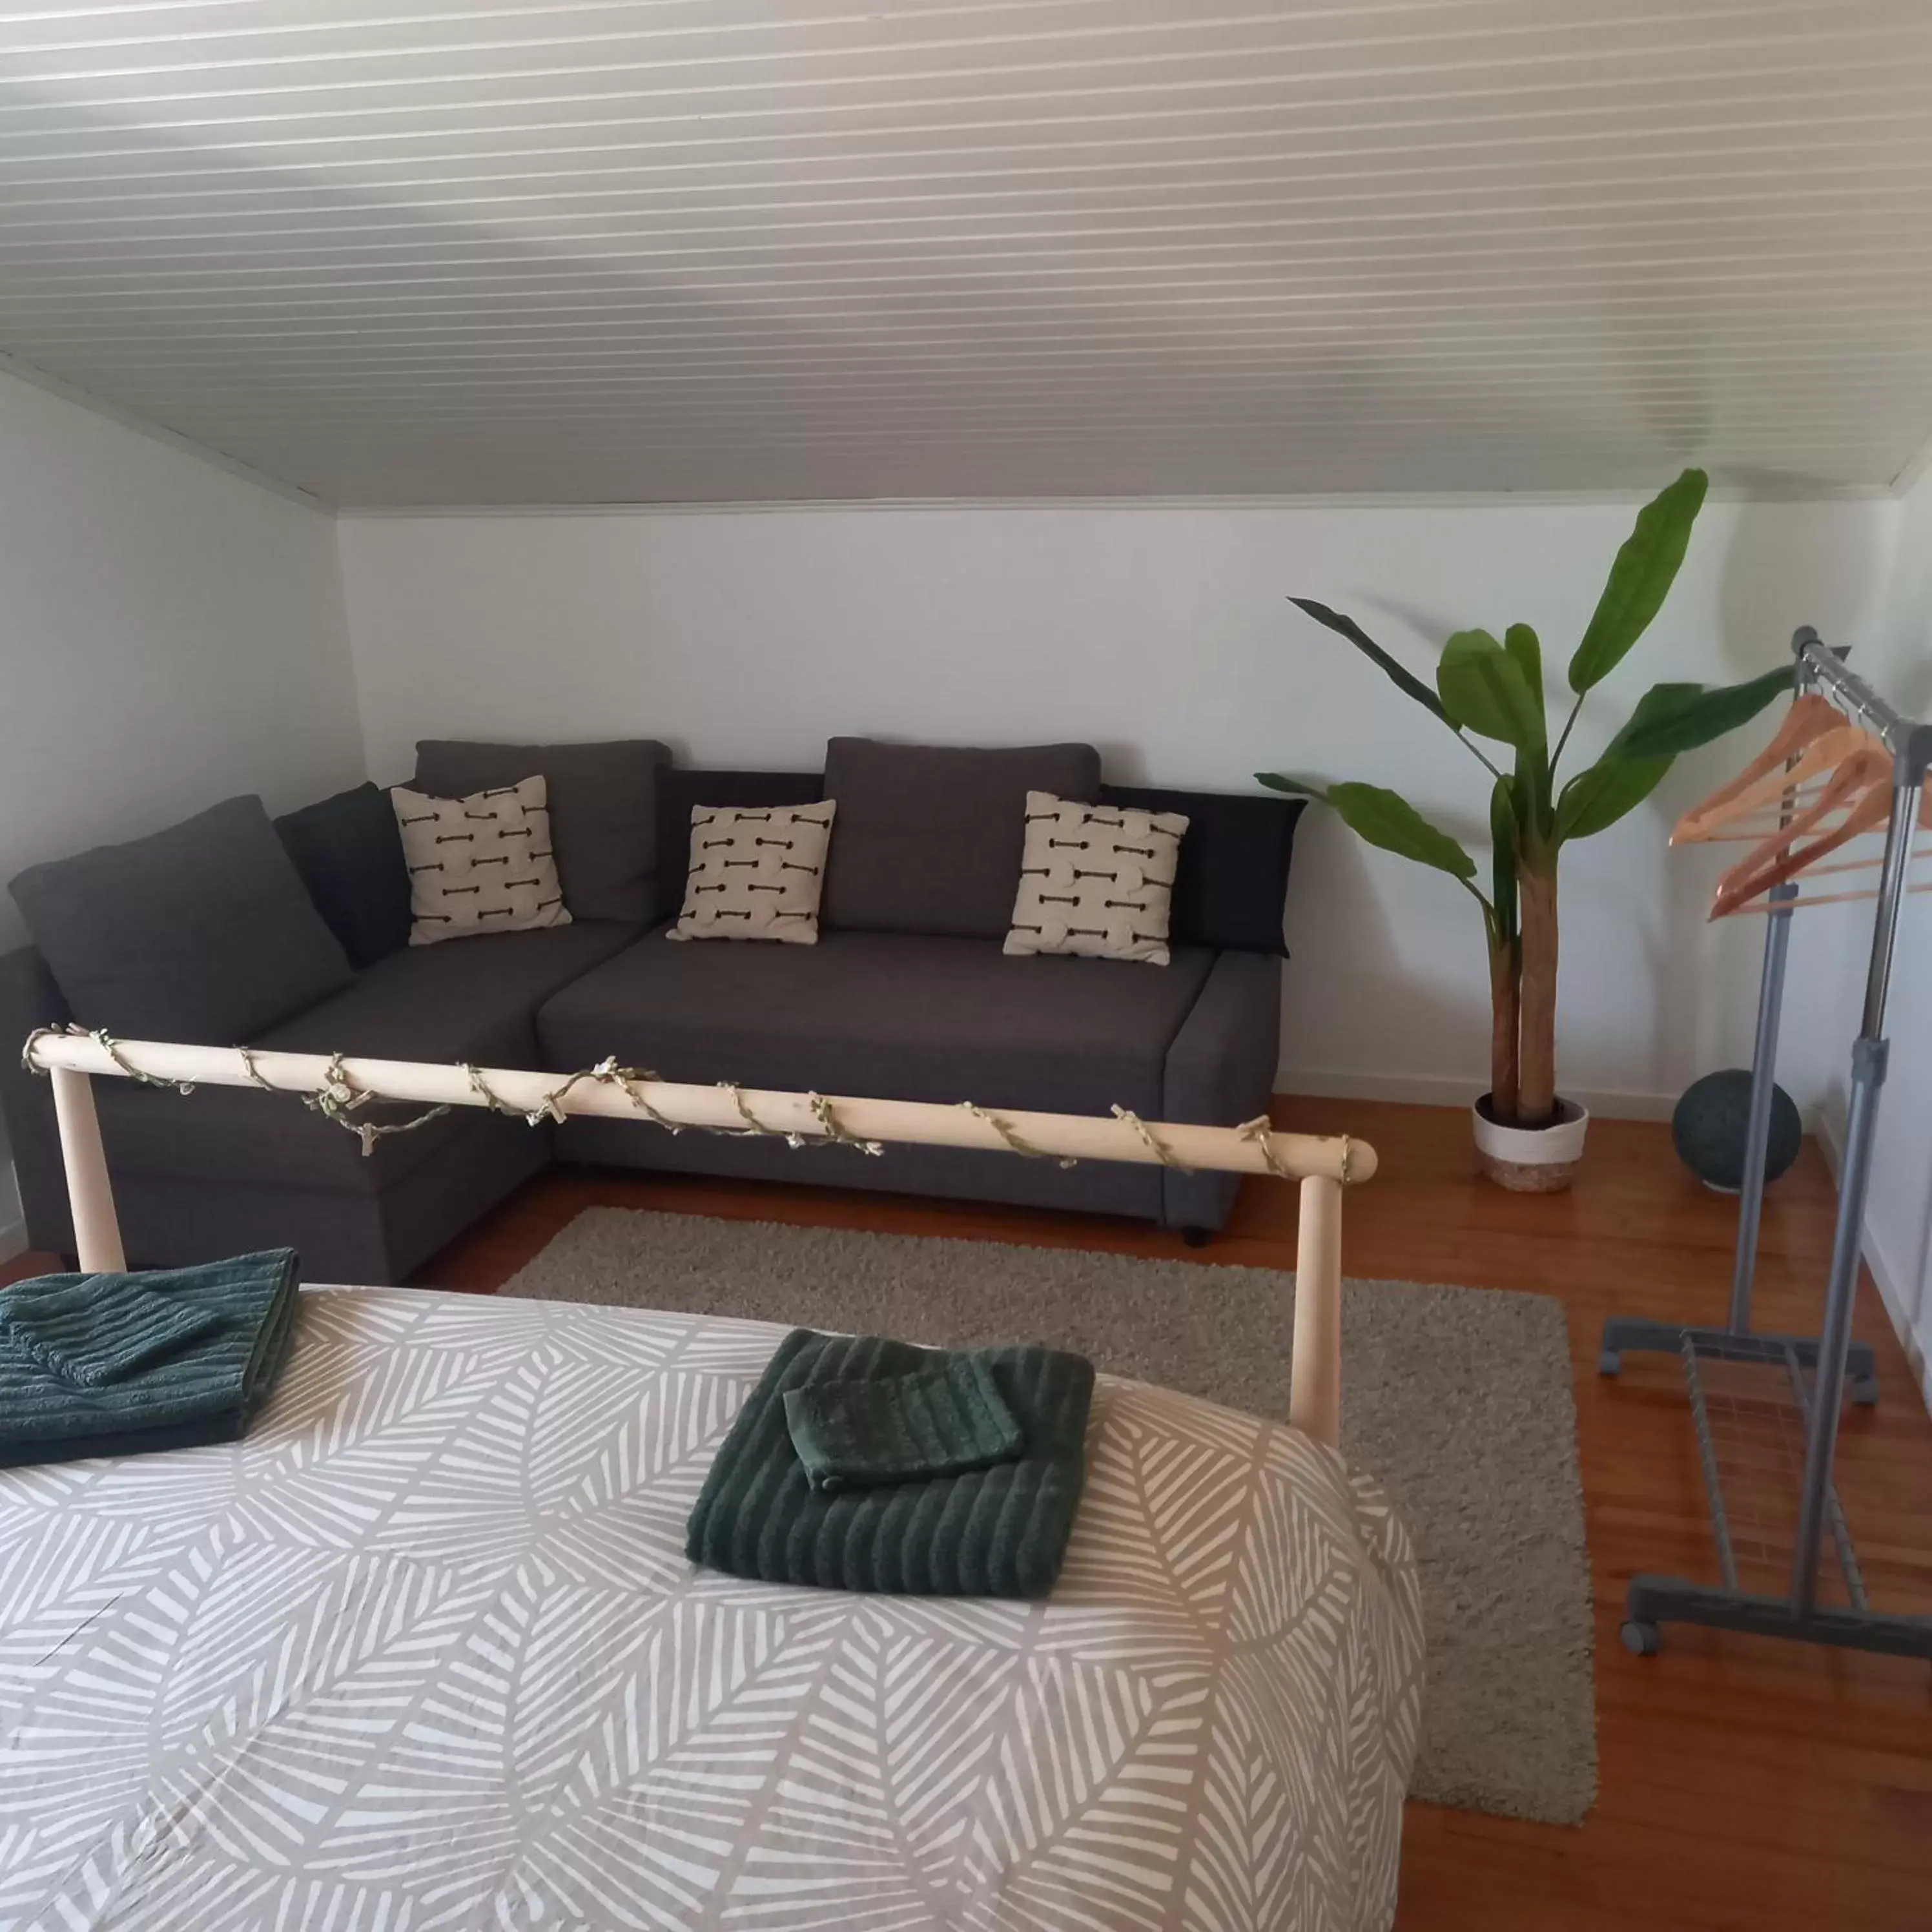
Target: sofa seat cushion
475,1002
894,1016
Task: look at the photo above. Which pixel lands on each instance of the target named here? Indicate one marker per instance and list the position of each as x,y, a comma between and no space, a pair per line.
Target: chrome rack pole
1869,1055
1764,1085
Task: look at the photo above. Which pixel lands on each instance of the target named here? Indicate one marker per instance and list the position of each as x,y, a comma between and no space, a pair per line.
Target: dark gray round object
1709,1128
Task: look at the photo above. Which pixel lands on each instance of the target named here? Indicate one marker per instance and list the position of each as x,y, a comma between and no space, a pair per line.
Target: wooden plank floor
1746,1785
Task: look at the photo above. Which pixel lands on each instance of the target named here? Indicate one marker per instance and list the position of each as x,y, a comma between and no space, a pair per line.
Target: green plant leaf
1483,688
1674,718
1600,796
1640,580
1502,836
1346,627
1386,819
1281,782
1661,704
1523,644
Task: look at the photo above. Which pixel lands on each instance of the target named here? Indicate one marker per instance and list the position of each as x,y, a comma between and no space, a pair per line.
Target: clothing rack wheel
1641,1639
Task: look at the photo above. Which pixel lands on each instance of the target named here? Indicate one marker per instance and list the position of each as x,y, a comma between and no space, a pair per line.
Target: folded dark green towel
937,1421
1000,1531
92,1330
206,1390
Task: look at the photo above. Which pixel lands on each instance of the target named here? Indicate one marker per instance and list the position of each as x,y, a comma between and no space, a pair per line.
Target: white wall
1162,633
170,634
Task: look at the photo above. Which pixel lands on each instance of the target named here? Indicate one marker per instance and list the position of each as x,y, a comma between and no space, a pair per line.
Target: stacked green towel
937,1421
996,1531
200,1352
92,1330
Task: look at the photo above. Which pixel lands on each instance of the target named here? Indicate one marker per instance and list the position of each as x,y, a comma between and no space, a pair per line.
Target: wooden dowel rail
1324,1165
1315,1378
1064,1136
97,1232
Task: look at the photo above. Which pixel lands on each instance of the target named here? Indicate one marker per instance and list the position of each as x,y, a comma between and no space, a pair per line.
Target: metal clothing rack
1653,1600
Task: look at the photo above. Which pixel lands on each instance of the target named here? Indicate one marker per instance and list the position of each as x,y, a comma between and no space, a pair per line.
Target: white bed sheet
424,1651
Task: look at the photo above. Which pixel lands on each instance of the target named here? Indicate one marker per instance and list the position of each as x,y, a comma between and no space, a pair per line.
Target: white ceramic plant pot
1532,1160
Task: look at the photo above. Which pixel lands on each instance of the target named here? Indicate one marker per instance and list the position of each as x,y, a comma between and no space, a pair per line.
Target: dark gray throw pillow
203,933
928,837
1231,881
349,854
602,802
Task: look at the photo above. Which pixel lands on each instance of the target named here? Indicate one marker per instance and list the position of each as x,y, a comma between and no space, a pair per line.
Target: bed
424,1651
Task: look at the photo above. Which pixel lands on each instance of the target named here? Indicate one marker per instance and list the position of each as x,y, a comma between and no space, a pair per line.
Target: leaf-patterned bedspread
424,1651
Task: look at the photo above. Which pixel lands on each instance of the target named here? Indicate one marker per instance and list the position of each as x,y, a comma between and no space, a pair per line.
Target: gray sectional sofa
295,936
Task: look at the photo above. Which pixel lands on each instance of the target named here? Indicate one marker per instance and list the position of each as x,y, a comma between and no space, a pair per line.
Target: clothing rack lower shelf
1654,1599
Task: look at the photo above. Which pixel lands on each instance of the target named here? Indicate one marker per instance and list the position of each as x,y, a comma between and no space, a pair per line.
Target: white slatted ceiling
639,250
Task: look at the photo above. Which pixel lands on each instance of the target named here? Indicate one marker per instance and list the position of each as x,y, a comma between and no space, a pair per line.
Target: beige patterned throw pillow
1095,880
480,864
756,874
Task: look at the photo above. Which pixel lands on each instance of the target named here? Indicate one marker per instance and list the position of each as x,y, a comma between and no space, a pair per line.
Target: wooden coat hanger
1804,899
1819,759
1810,717
1869,815
1861,786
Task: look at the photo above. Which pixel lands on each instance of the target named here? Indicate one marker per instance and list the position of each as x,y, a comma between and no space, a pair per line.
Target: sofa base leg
1197,1238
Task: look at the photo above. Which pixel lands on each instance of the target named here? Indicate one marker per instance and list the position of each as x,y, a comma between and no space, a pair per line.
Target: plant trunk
1536,1097
1505,965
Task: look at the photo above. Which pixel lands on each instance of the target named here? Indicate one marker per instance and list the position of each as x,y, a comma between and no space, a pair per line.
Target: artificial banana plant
1492,693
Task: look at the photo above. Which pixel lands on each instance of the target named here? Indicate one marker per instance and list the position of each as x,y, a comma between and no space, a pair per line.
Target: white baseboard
1890,1290
1609,1103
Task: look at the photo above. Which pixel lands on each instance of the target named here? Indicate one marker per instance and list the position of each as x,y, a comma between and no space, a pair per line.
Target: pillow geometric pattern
756,874
480,864
1095,880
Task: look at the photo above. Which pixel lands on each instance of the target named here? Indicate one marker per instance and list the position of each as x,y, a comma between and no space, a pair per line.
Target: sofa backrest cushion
603,811
1232,880
204,932
679,790
350,857
928,837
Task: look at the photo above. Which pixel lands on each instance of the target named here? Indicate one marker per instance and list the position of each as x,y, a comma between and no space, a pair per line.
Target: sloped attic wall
170,634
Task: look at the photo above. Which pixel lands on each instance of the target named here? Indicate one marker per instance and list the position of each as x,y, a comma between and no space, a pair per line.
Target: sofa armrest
29,998
1220,1070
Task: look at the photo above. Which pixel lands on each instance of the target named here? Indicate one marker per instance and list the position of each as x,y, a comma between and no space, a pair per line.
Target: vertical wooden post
1315,1374
97,1234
